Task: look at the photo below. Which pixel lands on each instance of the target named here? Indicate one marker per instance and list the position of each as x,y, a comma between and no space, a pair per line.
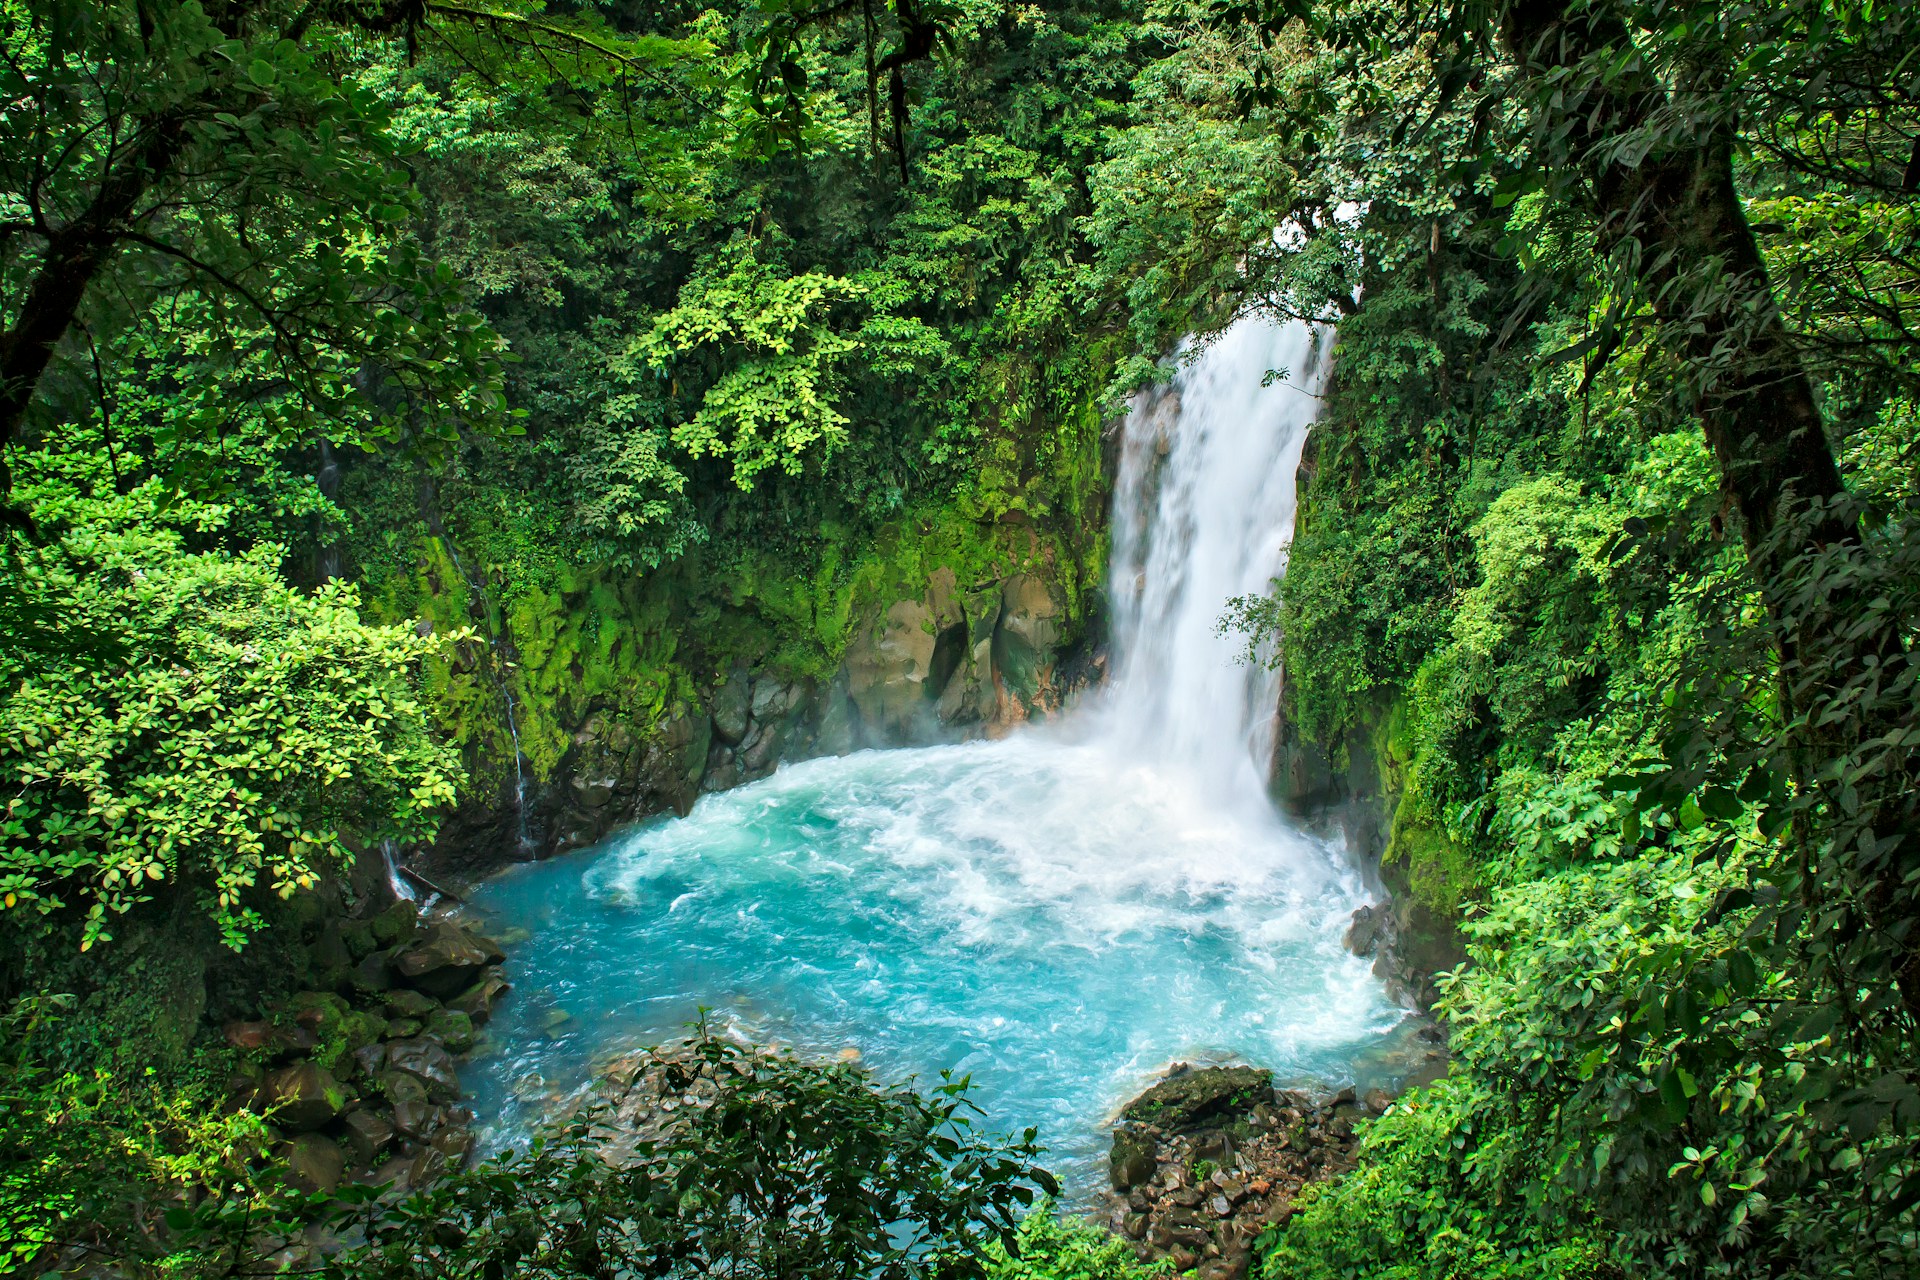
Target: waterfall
1058,913
1203,512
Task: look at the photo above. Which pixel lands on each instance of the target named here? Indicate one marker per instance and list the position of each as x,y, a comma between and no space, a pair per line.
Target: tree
223,152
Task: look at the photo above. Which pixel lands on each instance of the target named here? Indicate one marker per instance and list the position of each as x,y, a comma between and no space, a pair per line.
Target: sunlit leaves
241,737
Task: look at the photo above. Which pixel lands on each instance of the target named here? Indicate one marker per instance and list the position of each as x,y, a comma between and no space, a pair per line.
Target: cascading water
1059,913
1203,513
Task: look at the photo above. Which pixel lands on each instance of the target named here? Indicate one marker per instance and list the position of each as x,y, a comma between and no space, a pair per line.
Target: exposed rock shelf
1207,1159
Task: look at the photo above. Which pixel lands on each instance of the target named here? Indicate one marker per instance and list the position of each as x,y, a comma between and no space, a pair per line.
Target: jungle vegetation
340,340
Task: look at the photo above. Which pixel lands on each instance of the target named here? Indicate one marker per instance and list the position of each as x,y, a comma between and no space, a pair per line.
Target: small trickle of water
1058,914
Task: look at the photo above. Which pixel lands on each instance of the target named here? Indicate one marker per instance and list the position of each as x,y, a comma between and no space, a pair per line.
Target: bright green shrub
211,731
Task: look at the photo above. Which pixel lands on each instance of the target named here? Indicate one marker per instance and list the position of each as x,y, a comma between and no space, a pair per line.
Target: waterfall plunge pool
1057,914
1036,912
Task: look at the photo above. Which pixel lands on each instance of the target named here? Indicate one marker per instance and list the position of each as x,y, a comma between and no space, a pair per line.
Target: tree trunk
73,258
1677,208
52,302
1702,270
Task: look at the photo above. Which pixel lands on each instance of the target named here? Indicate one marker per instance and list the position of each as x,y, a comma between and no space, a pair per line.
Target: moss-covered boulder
302,1096
1133,1160
1193,1099
446,961
314,1162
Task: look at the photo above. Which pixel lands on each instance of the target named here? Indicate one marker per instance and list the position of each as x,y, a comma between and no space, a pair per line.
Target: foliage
1441,1193
1661,779
81,1148
1050,1246
244,733
796,1169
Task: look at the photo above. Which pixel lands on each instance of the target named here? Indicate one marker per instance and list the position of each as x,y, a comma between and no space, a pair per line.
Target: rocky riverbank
1207,1159
357,1079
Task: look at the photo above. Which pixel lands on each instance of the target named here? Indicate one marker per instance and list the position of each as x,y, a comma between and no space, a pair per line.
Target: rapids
1056,914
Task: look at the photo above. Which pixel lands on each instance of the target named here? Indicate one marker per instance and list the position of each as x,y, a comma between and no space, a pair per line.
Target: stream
1058,914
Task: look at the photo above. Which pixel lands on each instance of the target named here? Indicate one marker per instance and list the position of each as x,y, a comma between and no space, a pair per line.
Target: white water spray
1202,513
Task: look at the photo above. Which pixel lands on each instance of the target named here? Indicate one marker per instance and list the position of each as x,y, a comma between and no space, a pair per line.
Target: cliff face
600,700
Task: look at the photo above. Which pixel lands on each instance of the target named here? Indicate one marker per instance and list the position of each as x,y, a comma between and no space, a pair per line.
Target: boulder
1025,637
1364,934
417,1119
367,1135
451,1028
1133,1160
477,1000
397,924
315,1163
302,1096
887,666
454,1142
369,1059
373,973
427,1061
731,709
447,960
403,1003
1192,1099
772,698
399,1086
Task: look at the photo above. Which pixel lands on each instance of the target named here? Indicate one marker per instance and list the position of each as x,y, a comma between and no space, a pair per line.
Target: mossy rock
1195,1098
398,923
403,1002
359,939
451,1028
1133,1161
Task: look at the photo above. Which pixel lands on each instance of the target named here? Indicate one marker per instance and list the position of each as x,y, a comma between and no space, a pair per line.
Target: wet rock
771,698
404,1028
887,666
367,1135
451,1028
1187,1100
454,1143
1215,1145
427,1061
1025,637
1364,934
302,1096
447,960
417,1119
401,1086
592,792
315,1163
477,1000
731,709
1132,1162
404,1003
